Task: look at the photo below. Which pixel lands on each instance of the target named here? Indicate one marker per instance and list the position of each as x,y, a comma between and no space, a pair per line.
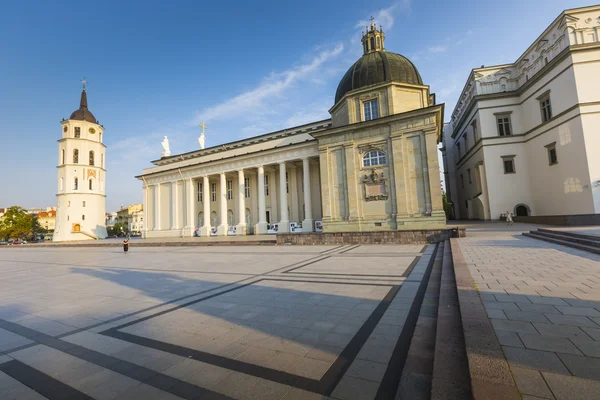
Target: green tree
117,229
18,224
447,205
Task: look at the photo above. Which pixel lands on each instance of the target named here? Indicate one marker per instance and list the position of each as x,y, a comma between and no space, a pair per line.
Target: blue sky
159,68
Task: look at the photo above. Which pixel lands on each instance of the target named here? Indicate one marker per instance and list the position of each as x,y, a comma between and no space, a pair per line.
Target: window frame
375,158
77,132
506,159
213,192
229,189
247,188
372,105
76,183
266,180
200,192
545,106
551,149
504,123
469,175
75,156
92,158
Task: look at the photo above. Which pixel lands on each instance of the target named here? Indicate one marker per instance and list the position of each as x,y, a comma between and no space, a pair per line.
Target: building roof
83,114
378,67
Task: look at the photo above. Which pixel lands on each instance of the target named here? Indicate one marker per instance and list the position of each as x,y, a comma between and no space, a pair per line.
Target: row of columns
261,226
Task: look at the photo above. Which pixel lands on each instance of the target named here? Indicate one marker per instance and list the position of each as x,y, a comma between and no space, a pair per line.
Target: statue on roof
202,138
165,145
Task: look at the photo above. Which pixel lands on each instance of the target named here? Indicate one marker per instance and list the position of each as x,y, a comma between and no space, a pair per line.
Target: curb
490,374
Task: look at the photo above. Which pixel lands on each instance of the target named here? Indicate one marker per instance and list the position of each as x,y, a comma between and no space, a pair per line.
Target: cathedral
373,166
81,195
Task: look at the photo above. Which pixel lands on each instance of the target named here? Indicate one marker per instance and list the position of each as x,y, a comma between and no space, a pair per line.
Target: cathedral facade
372,167
81,195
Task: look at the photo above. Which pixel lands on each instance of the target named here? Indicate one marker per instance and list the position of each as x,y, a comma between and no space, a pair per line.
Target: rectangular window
229,190
469,173
77,132
266,185
247,187
287,186
200,192
466,138
503,122
509,164
213,192
545,107
371,109
458,150
552,158
462,181
475,133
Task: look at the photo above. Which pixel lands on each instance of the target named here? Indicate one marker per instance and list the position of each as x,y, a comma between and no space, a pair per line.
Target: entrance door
76,228
522,211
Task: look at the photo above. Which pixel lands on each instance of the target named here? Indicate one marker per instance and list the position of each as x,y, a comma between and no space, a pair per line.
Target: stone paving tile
572,388
543,308
509,339
573,320
547,329
588,347
583,311
525,316
351,388
593,332
497,305
534,359
513,326
11,388
585,367
146,392
548,343
530,382
497,314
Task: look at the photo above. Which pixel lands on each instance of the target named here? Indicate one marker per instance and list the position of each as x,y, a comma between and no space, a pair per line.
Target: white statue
202,138
165,146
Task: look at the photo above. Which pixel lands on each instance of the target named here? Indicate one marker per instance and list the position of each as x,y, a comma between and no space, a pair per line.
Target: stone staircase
579,241
435,366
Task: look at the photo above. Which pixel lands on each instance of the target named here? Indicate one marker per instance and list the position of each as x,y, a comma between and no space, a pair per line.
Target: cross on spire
84,82
372,19
202,126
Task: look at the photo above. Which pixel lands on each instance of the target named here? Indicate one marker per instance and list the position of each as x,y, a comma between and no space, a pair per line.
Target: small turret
373,40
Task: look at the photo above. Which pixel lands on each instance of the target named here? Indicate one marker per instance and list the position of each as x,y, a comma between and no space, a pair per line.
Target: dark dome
378,67
83,114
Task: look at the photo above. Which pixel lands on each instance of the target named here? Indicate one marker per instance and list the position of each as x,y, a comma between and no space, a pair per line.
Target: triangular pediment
567,20
503,71
541,44
522,62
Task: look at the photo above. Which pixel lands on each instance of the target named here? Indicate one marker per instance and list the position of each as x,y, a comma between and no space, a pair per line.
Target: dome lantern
373,39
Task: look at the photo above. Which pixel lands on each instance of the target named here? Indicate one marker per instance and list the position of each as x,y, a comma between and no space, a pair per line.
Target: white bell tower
81,168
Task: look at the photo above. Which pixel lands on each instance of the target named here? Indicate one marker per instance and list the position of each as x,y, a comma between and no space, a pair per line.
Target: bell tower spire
373,39
83,101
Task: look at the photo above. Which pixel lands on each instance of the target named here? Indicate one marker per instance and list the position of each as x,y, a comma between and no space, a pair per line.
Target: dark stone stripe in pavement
393,373
131,370
490,375
40,382
451,378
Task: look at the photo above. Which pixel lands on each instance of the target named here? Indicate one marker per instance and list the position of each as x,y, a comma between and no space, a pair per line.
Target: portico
254,194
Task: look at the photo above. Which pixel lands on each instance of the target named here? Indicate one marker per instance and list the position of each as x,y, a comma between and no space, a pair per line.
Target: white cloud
385,16
314,112
275,85
438,49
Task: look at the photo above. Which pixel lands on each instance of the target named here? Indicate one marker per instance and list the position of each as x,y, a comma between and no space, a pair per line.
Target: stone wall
562,220
384,237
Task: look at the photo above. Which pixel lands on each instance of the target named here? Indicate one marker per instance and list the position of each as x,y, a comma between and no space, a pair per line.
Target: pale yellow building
372,167
47,219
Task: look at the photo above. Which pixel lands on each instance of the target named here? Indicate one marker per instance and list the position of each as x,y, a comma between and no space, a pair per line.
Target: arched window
92,157
373,158
84,203
229,217
76,156
75,184
91,184
62,183
372,43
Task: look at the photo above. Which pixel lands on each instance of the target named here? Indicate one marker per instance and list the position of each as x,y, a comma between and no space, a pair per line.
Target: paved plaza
240,322
543,301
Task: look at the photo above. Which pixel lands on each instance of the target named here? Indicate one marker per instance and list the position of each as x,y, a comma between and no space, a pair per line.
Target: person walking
126,243
509,218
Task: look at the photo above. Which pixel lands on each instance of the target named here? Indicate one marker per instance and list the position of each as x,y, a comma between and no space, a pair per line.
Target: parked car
3,243
17,242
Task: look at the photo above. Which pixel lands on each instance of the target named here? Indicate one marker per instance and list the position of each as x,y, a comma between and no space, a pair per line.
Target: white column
189,231
241,226
174,223
284,221
222,228
205,230
261,226
146,205
307,224
157,207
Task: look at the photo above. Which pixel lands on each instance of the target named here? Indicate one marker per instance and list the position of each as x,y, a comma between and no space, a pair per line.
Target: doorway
522,210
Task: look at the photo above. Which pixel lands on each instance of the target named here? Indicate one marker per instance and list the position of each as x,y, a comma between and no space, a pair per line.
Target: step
567,238
451,376
415,381
571,234
566,243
